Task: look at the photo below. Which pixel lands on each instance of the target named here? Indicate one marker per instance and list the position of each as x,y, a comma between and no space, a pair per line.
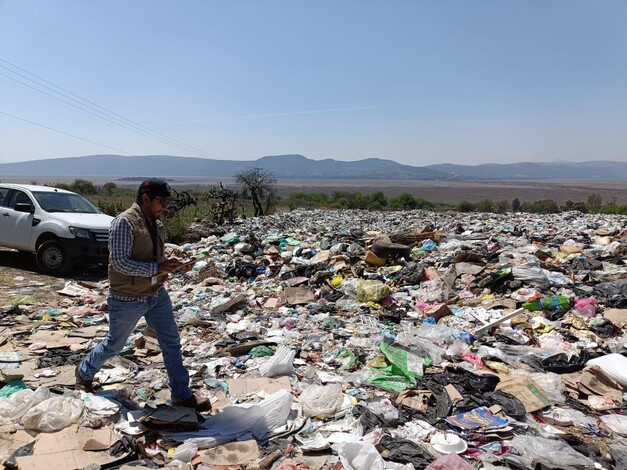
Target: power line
65,133
106,114
145,157
90,112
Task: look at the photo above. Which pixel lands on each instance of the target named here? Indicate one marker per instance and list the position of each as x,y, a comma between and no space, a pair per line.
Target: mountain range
300,167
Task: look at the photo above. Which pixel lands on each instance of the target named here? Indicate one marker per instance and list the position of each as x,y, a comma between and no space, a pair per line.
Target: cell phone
185,264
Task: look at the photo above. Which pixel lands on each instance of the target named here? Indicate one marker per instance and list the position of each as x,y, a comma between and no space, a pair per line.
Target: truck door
19,224
4,217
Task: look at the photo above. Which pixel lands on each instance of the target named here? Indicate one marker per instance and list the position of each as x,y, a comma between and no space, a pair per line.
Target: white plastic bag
239,421
617,423
532,274
360,456
614,365
13,407
185,452
552,386
53,414
322,401
549,452
279,364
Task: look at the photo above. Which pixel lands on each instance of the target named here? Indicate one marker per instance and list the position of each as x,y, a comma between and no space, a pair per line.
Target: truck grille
101,235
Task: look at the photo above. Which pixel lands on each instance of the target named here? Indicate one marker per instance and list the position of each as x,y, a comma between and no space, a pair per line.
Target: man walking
137,271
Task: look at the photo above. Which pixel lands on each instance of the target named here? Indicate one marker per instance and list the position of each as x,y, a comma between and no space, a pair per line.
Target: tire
52,258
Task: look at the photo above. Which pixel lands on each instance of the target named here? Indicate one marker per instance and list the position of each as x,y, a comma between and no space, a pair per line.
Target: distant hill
300,167
601,170
283,166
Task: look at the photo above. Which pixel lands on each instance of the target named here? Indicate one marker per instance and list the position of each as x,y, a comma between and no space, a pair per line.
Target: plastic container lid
448,443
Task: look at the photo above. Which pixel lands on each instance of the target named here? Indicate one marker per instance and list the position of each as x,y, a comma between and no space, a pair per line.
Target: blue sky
419,82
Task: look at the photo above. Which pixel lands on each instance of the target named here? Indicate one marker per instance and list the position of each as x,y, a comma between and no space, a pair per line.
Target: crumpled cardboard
232,454
65,450
523,388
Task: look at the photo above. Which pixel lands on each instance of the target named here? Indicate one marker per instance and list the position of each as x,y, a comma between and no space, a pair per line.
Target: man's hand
169,266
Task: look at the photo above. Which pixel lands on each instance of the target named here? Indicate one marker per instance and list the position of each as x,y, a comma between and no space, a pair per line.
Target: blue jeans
123,316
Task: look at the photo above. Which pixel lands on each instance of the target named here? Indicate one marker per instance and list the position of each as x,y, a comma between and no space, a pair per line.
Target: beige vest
136,286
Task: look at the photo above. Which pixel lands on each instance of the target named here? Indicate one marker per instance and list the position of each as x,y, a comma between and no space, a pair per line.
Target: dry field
444,191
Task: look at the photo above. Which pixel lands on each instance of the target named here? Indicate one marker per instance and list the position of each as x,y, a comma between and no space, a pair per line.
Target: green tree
83,187
466,206
377,200
594,202
109,187
544,206
404,201
486,205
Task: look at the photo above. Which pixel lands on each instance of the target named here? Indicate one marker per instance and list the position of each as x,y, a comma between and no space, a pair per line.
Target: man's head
153,196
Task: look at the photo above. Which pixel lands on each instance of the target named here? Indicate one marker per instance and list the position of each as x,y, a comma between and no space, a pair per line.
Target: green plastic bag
261,351
400,369
24,300
12,387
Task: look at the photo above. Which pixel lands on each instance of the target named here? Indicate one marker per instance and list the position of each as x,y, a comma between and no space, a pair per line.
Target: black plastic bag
613,294
405,451
561,364
510,404
604,330
463,379
11,462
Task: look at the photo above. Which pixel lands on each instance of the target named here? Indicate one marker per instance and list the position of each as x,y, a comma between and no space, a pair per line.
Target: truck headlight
80,232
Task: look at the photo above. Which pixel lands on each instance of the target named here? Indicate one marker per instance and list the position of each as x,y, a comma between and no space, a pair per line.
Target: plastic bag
550,453
401,369
586,307
405,451
235,422
185,452
11,388
322,401
617,423
552,386
280,364
614,365
532,274
53,414
384,409
360,456
449,462
371,290
568,417
433,291
422,346
13,408
438,334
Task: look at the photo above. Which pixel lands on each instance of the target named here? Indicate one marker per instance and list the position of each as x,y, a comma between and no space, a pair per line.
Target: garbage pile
345,339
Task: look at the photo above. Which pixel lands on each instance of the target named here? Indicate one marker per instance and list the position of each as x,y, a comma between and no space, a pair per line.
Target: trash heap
345,339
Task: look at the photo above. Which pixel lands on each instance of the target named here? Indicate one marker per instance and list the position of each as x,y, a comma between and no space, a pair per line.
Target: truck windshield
64,202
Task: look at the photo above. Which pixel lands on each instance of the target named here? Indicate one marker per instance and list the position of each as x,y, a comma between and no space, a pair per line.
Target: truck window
19,197
3,197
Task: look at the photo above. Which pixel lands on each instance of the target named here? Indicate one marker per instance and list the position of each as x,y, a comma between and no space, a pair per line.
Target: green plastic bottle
548,304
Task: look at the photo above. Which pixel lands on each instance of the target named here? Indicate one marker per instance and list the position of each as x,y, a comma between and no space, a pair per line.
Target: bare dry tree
259,185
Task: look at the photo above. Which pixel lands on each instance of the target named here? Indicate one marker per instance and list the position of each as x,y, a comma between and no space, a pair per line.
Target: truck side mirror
25,207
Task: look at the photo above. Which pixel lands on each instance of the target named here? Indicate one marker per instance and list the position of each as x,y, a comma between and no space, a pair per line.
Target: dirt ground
19,276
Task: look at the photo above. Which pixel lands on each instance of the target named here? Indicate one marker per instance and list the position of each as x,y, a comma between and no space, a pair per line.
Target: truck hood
93,221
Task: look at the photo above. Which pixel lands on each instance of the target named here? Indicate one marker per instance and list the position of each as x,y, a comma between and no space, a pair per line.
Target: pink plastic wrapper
586,307
449,462
472,358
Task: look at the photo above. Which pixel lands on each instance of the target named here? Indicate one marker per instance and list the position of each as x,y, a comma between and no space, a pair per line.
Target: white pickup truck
59,226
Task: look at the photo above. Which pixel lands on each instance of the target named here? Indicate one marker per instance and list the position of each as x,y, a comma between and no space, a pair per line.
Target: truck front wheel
52,258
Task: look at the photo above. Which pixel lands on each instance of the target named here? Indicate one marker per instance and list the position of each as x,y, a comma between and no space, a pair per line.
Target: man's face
156,206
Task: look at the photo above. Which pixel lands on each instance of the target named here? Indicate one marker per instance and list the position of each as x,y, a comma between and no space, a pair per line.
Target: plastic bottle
549,304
